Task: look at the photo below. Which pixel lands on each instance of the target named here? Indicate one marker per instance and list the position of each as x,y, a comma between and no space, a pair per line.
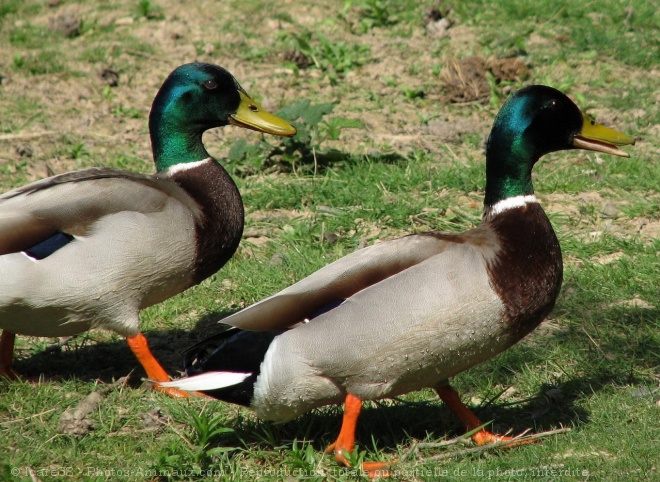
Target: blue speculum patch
49,246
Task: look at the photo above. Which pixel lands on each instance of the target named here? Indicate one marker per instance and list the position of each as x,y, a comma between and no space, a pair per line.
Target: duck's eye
210,84
253,108
553,105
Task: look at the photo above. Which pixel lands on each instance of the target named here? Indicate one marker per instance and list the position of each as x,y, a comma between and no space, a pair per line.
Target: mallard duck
91,248
412,312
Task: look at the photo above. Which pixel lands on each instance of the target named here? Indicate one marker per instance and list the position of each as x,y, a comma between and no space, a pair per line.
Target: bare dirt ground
72,104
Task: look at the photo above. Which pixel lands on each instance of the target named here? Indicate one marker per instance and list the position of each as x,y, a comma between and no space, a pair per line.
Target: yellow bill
251,116
597,137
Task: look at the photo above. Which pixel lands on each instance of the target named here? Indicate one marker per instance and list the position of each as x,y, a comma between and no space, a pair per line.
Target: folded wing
70,203
338,281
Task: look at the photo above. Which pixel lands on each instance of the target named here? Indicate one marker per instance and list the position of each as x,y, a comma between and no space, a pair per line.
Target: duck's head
535,121
197,97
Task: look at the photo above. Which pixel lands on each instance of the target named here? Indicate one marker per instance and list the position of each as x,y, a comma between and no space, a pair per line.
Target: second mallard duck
413,312
91,248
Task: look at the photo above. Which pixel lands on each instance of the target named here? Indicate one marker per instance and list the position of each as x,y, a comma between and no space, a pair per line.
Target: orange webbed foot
378,470
470,420
484,437
170,391
345,442
140,348
374,470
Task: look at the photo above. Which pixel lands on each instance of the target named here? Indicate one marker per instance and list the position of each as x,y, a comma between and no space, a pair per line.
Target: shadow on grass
309,162
85,358
384,425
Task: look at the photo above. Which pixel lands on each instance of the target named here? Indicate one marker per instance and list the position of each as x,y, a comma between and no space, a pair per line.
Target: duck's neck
509,161
508,174
173,139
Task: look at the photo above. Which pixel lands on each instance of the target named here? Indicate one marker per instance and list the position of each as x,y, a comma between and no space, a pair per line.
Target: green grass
593,30
592,367
333,58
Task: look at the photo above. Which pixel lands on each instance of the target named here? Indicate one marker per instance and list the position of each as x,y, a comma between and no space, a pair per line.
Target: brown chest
527,271
219,228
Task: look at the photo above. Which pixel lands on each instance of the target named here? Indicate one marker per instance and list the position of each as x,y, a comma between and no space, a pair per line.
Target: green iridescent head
535,121
197,97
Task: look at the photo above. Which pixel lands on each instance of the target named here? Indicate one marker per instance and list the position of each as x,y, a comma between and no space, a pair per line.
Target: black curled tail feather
232,350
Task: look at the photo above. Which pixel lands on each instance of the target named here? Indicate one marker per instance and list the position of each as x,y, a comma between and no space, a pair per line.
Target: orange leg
7,354
469,419
345,442
140,348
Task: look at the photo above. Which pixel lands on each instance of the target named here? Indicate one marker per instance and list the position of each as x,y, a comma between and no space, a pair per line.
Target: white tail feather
207,381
